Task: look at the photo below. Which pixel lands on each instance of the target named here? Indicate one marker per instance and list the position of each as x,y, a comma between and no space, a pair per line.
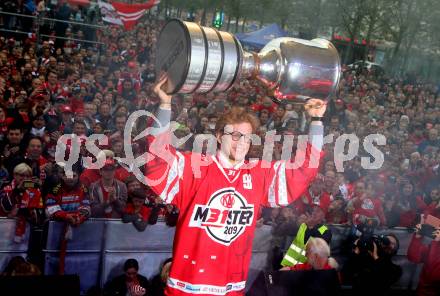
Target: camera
29,184
156,205
427,230
367,227
366,243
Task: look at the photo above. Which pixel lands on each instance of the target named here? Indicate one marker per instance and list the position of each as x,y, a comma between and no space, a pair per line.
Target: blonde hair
237,115
22,169
316,245
165,272
319,246
108,153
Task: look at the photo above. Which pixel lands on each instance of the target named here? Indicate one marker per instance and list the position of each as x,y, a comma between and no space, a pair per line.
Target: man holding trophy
218,204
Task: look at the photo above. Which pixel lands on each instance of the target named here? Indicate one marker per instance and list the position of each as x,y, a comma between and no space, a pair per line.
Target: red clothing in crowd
429,255
62,201
429,209
29,198
407,214
322,200
89,176
259,107
370,208
307,266
144,212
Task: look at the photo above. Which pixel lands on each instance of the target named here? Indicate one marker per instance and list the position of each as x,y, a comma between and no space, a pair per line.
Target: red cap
66,109
109,162
131,64
340,102
80,111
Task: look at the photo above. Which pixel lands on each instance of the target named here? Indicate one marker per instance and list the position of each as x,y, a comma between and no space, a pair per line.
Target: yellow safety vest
297,250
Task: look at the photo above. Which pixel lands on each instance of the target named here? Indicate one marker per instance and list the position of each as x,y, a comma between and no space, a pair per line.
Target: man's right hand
165,99
71,219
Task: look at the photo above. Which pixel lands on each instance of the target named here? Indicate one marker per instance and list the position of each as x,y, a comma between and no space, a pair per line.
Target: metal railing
53,20
40,19
50,36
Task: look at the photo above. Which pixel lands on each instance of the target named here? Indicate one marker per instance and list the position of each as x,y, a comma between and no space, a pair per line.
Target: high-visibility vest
296,254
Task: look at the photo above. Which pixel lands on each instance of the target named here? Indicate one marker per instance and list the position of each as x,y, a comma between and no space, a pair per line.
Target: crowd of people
52,88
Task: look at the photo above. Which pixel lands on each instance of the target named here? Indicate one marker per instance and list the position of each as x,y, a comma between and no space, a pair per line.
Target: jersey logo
231,173
367,204
225,217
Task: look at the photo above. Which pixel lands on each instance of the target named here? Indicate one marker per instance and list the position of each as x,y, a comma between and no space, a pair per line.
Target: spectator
136,211
130,283
431,204
13,150
418,252
68,200
108,196
432,141
18,266
318,256
316,196
404,210
35,159
363,207
22,199
90,175
159,281
12,265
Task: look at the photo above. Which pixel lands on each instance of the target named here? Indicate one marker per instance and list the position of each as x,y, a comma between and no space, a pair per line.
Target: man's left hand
315,107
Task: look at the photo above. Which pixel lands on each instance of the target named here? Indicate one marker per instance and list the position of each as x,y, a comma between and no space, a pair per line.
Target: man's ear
218,136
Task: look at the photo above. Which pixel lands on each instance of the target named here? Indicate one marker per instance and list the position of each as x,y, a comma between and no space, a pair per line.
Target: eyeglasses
237,136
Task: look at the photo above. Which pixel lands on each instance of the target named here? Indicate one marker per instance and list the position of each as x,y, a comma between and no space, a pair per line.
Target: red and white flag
125,14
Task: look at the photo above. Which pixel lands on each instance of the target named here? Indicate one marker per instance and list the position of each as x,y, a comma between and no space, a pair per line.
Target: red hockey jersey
218,208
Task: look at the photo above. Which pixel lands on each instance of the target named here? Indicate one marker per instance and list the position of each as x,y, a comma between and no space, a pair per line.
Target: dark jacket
369,276
157,286
118,286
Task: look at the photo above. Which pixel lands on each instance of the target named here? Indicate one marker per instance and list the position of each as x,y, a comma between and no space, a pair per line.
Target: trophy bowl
200,60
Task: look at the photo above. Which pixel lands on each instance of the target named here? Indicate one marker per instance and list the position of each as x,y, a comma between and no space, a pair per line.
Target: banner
109,13
120,13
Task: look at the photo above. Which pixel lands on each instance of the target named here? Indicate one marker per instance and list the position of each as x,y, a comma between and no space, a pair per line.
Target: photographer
369,269
429,282
22,199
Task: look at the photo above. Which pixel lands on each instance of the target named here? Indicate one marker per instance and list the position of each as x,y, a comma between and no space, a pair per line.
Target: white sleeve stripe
172,175
271,193
53,209
176,172
181,163
282,185
316,136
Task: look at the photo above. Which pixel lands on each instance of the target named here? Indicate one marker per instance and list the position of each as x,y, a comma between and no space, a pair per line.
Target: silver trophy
200,60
